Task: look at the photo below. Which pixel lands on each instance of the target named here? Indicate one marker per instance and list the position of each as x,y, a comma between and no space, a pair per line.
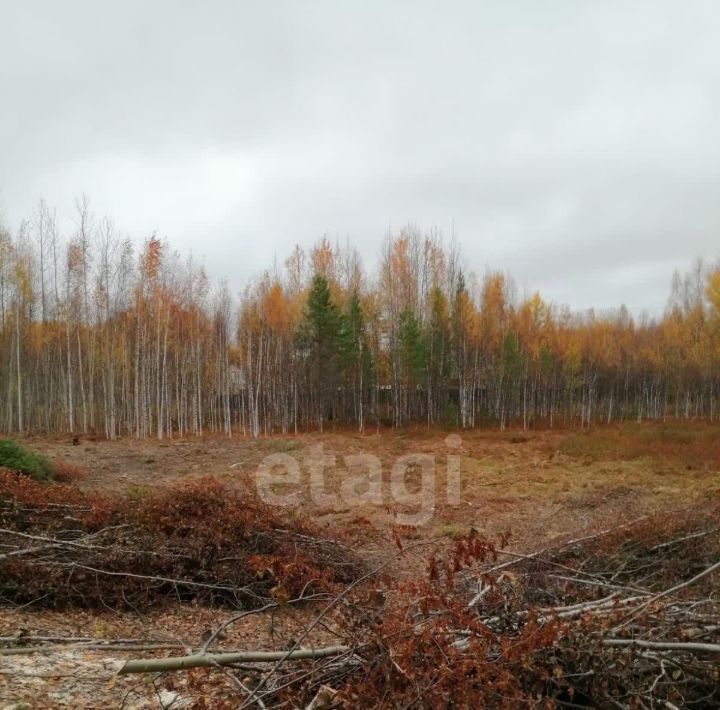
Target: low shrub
66,472
453,531
16,458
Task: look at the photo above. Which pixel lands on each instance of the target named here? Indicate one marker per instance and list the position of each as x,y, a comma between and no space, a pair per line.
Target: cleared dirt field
536,486
531,489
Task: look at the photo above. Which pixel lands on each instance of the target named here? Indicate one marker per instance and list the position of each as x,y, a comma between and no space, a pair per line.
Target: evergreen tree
356,357
322,336
413,358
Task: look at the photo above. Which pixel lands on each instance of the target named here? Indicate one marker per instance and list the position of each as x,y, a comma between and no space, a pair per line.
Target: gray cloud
576,145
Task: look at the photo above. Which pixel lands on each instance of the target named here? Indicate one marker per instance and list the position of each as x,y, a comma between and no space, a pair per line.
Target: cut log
181,663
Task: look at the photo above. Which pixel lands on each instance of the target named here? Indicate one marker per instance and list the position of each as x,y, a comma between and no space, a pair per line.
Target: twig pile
199,541
625,618
628,618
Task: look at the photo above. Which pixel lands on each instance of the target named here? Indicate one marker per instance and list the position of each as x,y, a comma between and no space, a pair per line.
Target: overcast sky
575,144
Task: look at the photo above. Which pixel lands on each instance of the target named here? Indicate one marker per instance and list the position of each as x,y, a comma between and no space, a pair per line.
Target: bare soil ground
538,487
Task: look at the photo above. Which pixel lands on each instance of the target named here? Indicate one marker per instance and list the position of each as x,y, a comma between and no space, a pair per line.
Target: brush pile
628,618
196,542
623,618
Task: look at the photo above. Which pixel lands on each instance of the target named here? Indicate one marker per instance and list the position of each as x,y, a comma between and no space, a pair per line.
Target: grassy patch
281,446
691,444
453,531
137,491
16,458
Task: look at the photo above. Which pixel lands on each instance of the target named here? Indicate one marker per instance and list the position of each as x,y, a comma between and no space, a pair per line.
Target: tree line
99,336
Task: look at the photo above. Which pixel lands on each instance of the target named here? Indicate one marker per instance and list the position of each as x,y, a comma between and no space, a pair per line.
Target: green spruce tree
320,337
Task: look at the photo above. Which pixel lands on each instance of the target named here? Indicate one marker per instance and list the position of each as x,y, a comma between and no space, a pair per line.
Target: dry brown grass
65,472
694,444
540,484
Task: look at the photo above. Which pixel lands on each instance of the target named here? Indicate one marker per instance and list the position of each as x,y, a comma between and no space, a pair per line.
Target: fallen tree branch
518,558
26,551
153,578
682,585
58,542
54,648
197,660
288,654
665,645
